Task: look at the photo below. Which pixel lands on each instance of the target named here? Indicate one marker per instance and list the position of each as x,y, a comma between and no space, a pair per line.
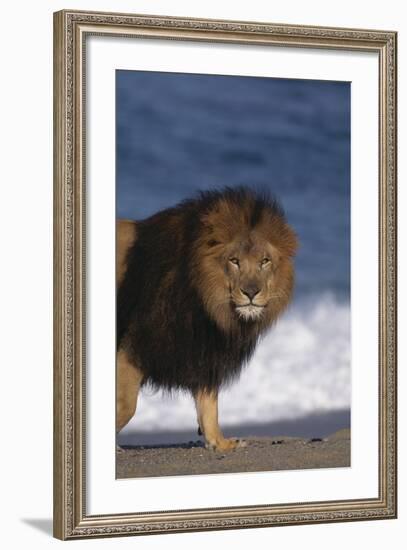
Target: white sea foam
301,367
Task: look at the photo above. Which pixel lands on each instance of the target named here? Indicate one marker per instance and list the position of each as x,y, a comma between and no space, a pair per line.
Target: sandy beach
259,454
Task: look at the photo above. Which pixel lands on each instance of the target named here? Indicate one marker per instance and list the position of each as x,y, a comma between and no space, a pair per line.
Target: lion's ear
212,242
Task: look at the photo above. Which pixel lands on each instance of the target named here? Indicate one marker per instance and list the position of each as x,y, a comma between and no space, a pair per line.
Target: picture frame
72,204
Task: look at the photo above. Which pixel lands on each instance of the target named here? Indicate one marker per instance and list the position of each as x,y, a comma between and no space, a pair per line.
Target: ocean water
179,133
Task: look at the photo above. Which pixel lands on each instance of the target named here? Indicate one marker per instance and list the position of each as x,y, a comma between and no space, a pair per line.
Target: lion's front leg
207,410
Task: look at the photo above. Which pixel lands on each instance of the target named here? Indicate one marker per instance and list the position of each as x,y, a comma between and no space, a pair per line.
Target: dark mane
161,320
259,201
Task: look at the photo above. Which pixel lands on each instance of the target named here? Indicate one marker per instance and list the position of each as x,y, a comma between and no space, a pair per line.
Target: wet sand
259,454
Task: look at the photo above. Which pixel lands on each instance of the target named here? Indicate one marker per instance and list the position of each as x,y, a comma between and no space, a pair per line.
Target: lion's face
242,264
250,266
247,280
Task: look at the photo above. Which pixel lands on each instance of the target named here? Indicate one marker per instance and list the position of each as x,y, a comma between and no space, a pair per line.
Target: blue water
178,133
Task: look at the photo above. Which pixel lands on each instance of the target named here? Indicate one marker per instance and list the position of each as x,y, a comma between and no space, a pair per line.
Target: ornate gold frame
70,31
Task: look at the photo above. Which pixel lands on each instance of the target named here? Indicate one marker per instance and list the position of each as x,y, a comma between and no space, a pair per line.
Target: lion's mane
166,304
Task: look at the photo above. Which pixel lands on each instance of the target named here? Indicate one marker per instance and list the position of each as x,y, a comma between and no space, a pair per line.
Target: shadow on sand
313,426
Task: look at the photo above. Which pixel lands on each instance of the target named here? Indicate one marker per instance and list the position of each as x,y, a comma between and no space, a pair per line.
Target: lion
197,286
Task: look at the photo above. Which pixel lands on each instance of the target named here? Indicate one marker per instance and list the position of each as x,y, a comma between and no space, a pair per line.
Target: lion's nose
250,291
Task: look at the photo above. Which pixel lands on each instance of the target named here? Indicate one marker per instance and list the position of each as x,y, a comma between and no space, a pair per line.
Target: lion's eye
234,261
265,261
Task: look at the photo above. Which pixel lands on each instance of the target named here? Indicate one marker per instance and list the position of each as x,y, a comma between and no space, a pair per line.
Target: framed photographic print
225,274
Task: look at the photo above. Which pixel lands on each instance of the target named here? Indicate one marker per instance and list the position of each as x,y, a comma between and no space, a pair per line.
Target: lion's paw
226,445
